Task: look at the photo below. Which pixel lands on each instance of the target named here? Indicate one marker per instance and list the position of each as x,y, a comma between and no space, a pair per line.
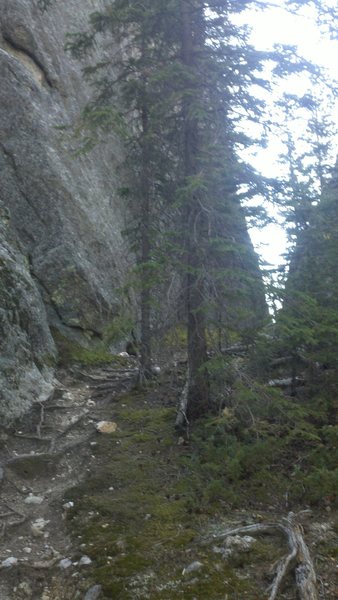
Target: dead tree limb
298,557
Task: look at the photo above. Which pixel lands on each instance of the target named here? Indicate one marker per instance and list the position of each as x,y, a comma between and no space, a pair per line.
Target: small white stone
68,505
36,532
65,563
38,526
84,560
106,426
194,566
27,549
31,499
9,562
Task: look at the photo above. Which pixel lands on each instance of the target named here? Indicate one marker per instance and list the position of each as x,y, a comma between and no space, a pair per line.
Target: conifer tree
181,74
305,325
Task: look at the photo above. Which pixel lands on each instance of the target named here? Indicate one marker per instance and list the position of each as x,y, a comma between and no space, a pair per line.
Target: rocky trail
86,515
41,457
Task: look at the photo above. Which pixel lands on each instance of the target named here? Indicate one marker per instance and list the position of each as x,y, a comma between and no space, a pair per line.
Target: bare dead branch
298,557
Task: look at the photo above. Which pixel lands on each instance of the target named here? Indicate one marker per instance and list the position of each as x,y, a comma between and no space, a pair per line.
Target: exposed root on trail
22,519
298,558
181,418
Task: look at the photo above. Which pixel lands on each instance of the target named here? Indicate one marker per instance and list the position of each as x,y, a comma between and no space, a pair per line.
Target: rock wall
64,211
27,350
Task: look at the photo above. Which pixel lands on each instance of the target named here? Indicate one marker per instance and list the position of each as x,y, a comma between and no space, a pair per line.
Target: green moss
176,337
119,329
71,352
143,437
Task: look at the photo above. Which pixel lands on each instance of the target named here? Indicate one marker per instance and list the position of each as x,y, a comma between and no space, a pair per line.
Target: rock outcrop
27,350
64,212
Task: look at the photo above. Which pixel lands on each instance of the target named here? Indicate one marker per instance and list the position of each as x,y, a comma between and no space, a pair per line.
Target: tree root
8,524
27,436
298,558
108,377
181,418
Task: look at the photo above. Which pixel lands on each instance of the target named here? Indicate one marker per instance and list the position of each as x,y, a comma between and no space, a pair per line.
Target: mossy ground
88,353
144,510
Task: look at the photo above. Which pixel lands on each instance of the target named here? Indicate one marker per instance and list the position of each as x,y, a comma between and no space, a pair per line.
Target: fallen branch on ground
298,557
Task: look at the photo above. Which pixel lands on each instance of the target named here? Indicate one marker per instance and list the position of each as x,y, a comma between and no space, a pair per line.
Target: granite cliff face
64,213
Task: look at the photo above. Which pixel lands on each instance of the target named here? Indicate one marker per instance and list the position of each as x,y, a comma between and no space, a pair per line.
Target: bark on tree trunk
145,230
198,385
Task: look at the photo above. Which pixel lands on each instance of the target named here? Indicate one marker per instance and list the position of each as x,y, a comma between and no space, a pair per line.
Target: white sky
275,25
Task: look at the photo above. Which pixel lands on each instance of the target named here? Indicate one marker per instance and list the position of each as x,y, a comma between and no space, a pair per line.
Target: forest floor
123,515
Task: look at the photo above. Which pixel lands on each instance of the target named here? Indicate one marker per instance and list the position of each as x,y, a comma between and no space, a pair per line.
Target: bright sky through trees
276,25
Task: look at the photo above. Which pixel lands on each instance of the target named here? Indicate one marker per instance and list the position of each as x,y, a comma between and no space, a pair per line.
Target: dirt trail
40,457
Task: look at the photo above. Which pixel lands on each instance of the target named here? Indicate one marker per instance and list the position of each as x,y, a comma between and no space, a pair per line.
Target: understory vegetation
154,501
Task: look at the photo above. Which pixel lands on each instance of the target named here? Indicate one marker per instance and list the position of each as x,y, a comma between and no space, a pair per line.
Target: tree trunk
145,230
194,224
